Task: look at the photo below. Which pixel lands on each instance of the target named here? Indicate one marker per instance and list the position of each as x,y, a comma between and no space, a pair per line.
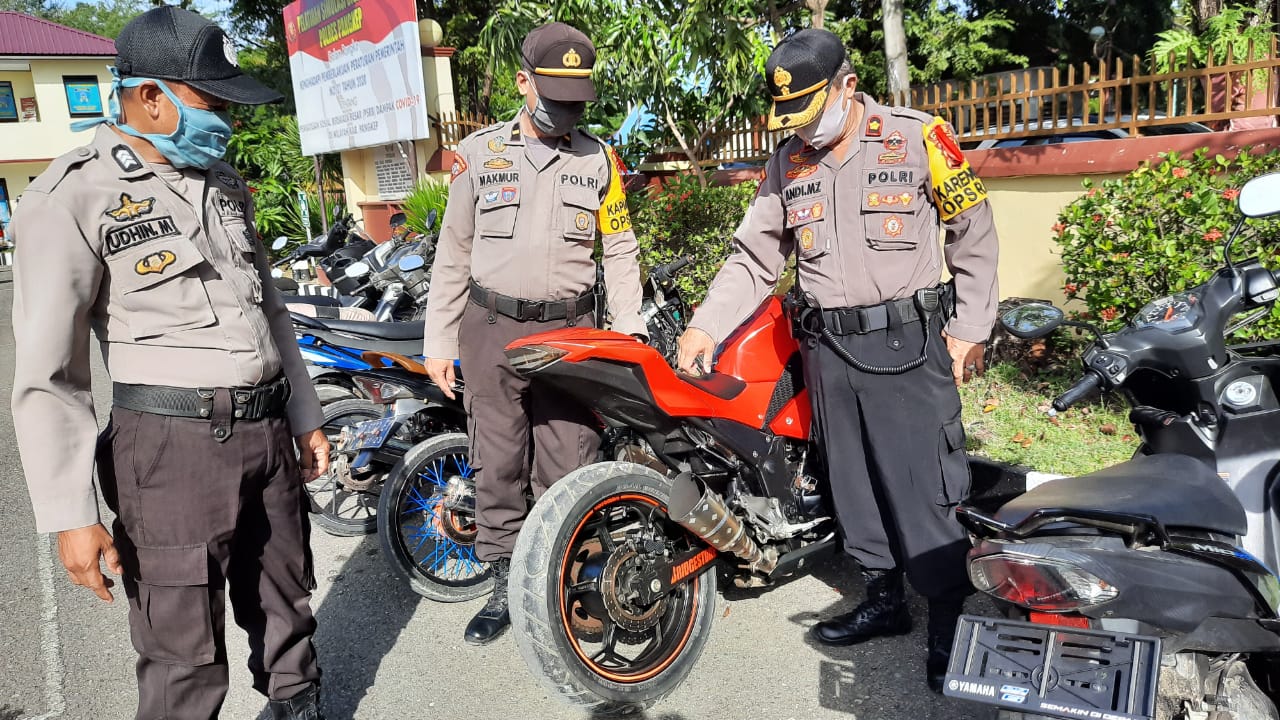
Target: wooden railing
453,126
1127,95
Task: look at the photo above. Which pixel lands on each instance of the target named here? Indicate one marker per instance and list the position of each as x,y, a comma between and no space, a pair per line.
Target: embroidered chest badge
893,226
498,164
896,147
801,171
491,197
497,145
508,194
155,263
582,221
806,239
131,209
874,200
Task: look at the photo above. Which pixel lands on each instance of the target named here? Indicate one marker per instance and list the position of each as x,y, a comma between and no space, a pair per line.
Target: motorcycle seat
377,330
1177,490
725,387
411,348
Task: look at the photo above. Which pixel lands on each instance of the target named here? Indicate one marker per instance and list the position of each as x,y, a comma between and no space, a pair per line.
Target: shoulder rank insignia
124,157
131,210
875,126
498,164
155,263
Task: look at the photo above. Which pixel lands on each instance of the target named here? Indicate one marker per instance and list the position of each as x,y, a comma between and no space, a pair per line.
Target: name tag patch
127,236
504,178
799,190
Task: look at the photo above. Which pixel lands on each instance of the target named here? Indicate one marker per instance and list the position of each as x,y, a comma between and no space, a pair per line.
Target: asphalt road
387,653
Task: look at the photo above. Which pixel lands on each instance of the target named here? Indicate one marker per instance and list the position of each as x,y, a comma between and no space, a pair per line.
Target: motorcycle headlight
533,358
1039,583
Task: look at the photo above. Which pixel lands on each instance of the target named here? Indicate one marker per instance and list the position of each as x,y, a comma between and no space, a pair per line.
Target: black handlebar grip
1083,388
680,264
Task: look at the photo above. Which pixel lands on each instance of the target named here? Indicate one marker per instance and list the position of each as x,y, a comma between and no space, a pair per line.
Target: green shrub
684,218
429,194
1162,230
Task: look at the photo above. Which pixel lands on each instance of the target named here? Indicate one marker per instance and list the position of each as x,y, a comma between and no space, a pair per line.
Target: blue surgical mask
199,140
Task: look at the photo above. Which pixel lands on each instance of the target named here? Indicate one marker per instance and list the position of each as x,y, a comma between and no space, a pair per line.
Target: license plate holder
368,435
1093,674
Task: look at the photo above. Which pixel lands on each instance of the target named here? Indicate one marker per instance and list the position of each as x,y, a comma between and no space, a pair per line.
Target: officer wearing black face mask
528,200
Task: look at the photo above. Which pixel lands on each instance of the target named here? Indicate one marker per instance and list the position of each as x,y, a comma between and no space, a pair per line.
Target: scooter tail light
1061,620
1039,584
381,391
532,358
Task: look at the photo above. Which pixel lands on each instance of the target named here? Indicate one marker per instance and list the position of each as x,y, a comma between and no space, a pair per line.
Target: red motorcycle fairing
752,362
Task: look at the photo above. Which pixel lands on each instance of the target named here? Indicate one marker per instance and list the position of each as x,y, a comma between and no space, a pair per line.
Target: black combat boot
884,612
944,615
303,706
494,617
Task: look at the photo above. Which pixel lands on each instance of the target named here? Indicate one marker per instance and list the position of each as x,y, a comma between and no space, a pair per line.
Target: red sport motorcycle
611,591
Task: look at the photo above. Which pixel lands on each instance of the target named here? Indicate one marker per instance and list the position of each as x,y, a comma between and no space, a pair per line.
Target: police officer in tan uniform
516,256
857,194
147,238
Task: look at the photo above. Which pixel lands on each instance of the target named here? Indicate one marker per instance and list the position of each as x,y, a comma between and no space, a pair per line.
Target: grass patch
1005,419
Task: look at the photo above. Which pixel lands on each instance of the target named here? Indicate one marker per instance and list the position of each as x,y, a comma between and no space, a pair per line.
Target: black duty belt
255,403
861,320
530,310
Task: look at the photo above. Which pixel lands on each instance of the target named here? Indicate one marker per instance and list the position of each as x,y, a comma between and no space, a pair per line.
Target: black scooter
1145,590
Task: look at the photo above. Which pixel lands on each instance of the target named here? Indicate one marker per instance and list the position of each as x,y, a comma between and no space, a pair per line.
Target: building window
8,107
83,97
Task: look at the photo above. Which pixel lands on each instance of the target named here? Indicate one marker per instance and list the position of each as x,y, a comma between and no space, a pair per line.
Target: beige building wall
26,147
1026,209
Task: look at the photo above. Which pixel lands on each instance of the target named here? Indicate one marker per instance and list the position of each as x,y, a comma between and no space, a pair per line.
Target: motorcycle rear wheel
336,509
428,545
584,642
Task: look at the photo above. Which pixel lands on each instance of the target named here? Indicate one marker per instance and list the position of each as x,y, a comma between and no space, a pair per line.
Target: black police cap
799,72
561,58
169,43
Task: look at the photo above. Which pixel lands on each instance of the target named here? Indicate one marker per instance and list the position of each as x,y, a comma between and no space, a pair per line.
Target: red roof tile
26,35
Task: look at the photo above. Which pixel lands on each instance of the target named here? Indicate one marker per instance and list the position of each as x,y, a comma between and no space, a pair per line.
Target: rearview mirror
397,219
357,270
431,219
409,263
277,273
279,243
1260,197
1032,320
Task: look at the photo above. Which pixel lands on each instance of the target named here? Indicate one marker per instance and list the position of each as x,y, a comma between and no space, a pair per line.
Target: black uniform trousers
895,447
194,515
523,436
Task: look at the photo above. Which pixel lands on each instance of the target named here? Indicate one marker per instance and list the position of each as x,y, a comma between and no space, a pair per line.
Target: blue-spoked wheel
426,521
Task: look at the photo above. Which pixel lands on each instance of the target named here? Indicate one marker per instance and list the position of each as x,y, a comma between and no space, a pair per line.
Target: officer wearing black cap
146,237
516,256
858,194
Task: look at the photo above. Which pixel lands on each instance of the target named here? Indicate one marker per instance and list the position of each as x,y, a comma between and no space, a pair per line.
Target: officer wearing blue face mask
146,237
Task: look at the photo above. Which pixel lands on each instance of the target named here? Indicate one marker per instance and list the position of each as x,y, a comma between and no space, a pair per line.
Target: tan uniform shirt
523,222
865,229
170,276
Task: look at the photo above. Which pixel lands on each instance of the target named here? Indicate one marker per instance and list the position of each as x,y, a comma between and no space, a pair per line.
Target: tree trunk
688,151
1201,11
817,11
895,51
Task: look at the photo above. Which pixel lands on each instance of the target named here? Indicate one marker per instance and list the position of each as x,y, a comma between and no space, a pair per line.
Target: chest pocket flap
893,217
808,221
581,207
496,211
160,287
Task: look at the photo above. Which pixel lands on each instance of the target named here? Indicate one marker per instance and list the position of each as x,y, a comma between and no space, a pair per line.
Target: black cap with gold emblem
798,73
560,58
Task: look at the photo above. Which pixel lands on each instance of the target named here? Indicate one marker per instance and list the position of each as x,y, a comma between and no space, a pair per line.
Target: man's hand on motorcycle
442,373
695,350
966,359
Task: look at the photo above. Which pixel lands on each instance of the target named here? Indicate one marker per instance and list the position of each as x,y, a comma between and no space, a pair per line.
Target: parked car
1074,131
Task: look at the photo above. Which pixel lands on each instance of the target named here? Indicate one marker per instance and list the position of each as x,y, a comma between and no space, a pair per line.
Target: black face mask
556,118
